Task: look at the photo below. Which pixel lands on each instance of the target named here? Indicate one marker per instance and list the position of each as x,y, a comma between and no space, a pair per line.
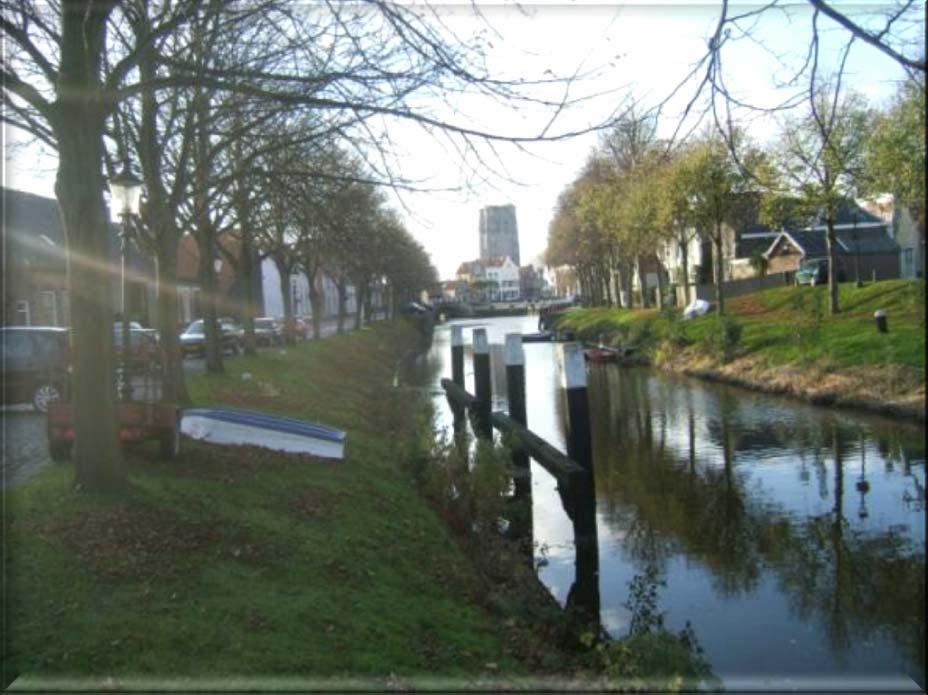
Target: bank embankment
783,341
238,567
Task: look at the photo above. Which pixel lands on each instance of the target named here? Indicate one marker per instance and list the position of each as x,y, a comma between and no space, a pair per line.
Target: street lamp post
126,190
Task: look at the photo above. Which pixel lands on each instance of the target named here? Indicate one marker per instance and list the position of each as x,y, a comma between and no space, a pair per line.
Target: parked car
36,365
193,339
136,326
815,272
268,332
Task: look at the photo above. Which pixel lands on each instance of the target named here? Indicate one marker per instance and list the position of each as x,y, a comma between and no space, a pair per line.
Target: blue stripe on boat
270,422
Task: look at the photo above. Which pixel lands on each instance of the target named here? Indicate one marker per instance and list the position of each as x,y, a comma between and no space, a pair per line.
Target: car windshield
266,324
195,328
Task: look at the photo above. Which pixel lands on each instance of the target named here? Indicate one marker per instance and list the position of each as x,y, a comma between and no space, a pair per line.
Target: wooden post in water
457,355
579,446
515,387
583,597
482,383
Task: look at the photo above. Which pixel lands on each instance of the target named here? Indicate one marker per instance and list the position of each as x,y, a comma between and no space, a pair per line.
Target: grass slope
233,564
787,336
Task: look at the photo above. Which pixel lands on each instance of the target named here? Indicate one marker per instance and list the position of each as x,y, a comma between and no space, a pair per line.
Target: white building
502,271
299,294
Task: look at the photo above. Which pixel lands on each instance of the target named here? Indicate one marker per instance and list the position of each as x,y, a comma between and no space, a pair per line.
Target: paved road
25,448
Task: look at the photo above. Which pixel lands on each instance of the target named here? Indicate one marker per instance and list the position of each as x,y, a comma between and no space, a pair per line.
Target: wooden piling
482,383
457,355
579,445
515,387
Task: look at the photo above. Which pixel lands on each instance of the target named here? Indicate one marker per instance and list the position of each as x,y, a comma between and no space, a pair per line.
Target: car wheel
233,349
60,449
43,395
169,442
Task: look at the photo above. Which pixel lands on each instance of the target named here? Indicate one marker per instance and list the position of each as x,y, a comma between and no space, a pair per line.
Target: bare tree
821,156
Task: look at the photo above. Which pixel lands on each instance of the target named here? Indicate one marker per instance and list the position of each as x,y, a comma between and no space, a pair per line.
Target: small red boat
601,354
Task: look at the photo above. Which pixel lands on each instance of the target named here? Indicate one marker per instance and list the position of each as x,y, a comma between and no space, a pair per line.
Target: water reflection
792,537
724,484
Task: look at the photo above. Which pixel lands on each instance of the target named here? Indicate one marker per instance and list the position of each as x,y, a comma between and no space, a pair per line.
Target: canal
790,537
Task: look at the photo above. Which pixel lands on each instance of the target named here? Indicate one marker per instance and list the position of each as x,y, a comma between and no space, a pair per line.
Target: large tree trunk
719,275
317,301
79,124
173,387
342,289
685,265
208,301
247,268
360,299
832,243
163,225
283,271
661,291
642,283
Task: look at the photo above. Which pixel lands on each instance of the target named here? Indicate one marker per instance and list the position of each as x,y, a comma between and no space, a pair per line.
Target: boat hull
242,427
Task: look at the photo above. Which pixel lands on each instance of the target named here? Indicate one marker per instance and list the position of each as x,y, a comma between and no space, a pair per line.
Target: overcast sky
639,50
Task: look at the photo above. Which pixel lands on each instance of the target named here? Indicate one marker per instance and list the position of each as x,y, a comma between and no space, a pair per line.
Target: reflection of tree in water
857,585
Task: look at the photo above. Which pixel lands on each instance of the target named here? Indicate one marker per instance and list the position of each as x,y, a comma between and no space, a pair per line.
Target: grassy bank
783,340
235,567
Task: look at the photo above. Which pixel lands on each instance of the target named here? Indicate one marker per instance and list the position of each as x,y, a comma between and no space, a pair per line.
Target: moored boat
601,354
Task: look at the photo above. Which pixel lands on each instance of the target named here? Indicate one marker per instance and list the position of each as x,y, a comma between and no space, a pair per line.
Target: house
451,291
502,276
273,304
864,251
753,240
35,260
904,230
229,285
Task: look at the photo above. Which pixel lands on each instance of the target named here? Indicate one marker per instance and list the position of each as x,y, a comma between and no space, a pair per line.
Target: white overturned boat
234,426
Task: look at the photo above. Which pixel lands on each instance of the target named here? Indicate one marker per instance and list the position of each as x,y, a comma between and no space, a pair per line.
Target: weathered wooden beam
458,394
553,461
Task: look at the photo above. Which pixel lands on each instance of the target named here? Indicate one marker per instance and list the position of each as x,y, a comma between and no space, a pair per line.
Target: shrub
722,337
673,327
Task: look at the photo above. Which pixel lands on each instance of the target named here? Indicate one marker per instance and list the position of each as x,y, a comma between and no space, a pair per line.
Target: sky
643,50
639,50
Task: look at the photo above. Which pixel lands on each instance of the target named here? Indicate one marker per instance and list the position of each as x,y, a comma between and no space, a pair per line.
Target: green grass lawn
788,325
232,564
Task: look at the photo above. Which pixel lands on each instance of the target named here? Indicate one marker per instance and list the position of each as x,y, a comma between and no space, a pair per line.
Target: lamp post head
126,189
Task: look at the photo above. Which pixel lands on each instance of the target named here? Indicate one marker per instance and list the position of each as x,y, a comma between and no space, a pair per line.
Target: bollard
881,321
482,383
873,275
457,356
579,446
515,386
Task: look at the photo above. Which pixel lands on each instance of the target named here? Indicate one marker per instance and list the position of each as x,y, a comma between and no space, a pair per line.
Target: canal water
790,537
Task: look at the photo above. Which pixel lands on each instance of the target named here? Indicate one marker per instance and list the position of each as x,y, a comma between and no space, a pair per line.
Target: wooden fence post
457,356
583,597
579,446
515,387
482,383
